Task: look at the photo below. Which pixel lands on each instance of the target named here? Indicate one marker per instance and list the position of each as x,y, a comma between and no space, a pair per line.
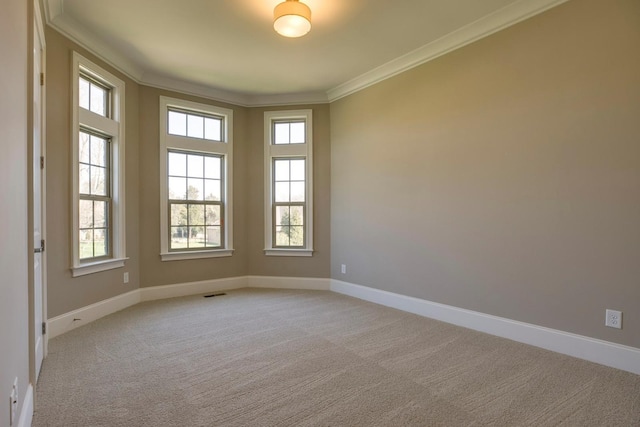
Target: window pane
98,100
85,211
98,151
100,214
212,189
100,242
196,237
297,191
83,147
281,131
296,235
282,236
212,215
195,189
177,188
178,214
196,214
297,170
282,170
282,215
85,249
84,180
212,167
177,164
213,237
179,237
83,92
297,133
213,129
177,123
98,181
195,126
282,192
296,215
195,166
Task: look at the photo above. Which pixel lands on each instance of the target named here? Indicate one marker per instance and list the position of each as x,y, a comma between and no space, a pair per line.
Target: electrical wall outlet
343,268
13,408
125,278
613,319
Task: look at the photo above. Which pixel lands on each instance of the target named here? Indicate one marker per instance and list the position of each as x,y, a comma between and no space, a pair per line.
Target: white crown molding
594,350
76,32
483,27
503,18
174,85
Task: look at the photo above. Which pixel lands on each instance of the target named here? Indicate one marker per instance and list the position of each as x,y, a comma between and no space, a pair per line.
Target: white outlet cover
613,319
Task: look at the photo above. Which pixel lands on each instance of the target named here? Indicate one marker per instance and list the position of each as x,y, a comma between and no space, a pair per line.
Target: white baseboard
65,322
591,349
26,414
192,288
307,283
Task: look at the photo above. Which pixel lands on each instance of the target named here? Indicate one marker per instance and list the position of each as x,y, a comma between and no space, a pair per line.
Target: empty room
320,213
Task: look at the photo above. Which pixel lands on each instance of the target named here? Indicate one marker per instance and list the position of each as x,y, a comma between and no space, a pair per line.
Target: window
195,180
288,183
98,172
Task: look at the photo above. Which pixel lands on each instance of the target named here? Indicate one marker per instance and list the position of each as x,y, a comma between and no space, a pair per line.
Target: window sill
96,267
178,256
288,252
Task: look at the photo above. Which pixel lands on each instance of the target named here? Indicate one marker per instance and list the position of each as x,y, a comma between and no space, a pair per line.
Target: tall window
288,183
98,172
195,180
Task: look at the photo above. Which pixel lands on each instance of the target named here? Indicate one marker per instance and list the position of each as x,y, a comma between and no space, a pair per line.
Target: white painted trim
114,127
96,267
483,27
192,288
275,282
65,323
179,256
273,151
223,148
603,352
26,414
288,252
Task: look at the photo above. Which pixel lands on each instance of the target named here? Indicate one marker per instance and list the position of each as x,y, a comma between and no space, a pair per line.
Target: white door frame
38,305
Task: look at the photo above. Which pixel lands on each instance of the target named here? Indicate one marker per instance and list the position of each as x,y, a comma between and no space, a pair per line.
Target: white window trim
114,127
224,147
272,151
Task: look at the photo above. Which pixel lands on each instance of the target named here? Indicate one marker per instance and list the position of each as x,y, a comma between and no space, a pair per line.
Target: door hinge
41,79
42,245
41,162
44,328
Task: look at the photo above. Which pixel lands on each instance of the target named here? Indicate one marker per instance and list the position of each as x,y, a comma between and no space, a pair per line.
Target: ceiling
228,50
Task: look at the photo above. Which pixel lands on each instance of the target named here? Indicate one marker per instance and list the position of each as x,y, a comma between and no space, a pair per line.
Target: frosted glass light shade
292,18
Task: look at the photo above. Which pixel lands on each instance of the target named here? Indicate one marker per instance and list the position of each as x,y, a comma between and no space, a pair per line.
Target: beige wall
503,177
154,271
14,308
318,265
64,292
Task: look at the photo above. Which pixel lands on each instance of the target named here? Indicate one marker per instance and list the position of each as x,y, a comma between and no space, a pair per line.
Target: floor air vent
214,295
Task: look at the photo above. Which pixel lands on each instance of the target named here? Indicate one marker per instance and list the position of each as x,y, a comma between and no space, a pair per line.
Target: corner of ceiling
483,27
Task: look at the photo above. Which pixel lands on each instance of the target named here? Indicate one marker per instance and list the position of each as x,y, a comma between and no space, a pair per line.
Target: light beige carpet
310,358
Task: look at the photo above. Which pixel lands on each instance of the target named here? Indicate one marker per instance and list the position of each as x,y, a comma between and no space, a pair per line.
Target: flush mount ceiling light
292,18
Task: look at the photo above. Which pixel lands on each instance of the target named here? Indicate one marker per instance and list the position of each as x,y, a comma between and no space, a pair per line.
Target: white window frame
223,148
114,128
274,151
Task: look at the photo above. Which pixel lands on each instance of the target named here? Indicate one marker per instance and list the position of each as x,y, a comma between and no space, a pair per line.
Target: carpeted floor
310,358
